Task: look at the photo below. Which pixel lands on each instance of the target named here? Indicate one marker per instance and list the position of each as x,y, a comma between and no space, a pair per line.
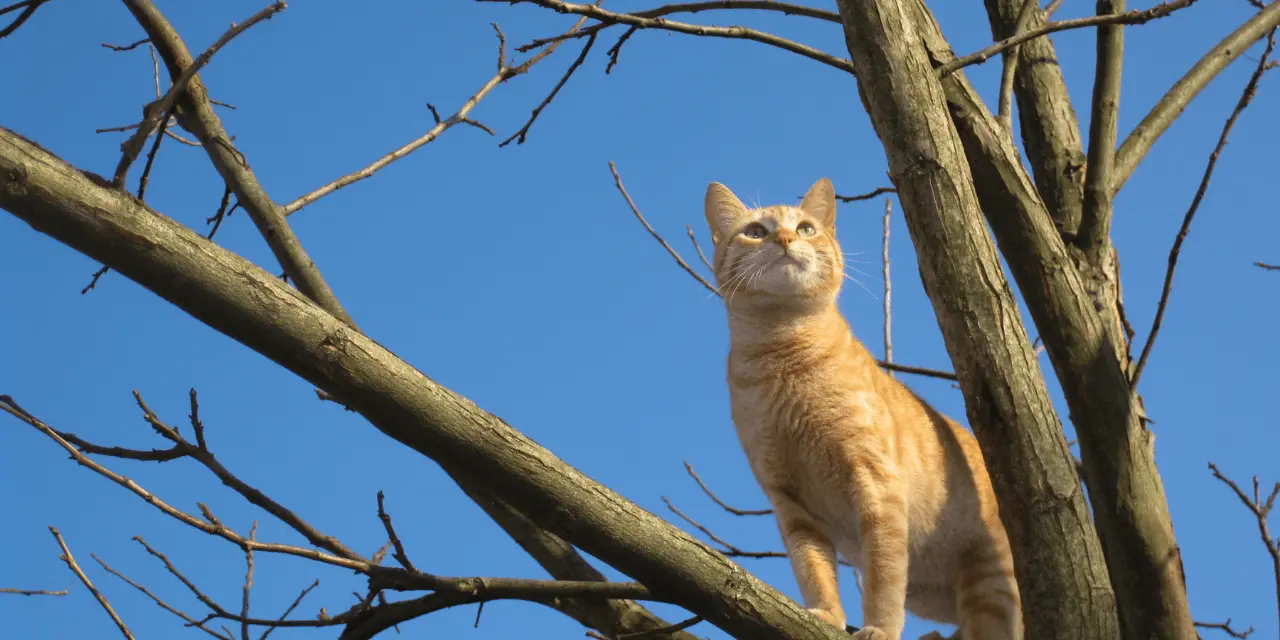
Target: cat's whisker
864,287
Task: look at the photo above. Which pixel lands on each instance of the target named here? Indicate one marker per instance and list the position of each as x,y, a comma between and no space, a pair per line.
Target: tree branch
1110,20
162,109
75,568
250,305
505,72
28,9
1250,90
1162,116
1094,237
609,18
198,116
1261,510
32,592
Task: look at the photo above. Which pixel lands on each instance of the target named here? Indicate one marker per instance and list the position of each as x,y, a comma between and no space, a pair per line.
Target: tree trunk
1058,558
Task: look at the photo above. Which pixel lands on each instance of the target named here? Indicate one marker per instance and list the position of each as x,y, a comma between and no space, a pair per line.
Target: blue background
519,278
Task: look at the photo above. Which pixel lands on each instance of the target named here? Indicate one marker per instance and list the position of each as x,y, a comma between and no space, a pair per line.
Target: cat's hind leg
987,601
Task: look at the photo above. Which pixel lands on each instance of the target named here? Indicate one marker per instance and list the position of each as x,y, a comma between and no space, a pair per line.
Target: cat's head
779,254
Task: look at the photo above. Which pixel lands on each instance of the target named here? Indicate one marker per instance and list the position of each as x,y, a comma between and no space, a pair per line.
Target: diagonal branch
75,568
1108,20
250,305
28,9
609,18
1162,116
1250,90
199,117
504,73
160,603
162,109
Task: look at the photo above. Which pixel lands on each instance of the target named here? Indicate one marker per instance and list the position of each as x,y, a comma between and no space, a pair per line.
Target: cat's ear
724,210
820,202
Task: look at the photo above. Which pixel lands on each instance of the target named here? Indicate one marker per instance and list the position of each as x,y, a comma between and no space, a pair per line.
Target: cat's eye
806,230
755,231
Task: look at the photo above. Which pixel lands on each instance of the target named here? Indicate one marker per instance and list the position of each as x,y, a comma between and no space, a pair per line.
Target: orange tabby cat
851,460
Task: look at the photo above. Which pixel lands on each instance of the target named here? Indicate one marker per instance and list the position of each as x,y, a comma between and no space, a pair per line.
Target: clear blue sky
518,278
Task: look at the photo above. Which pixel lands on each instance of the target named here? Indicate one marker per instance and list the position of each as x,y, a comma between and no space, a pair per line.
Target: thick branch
1094,236
1057,557
253,307
1161,117
1126,492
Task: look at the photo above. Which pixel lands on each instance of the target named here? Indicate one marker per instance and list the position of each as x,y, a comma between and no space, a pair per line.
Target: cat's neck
758,322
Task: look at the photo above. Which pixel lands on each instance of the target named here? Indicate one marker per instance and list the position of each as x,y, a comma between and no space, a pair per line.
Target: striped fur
852,461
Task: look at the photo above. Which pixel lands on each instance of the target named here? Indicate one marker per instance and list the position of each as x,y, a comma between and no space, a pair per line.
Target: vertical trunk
1058,559
1075,304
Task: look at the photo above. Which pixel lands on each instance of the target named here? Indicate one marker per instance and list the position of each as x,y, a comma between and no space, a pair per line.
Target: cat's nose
785,237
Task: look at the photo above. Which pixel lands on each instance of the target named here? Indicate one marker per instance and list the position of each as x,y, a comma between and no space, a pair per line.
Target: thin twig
248,582
1246,96
716,499
400,555
504,73
1261,510
32,592
296,602
1226,628
520,135
617,181
93,283
1129,17
164,106
127,47
75,568
878,191
28,8
888,286
727,549
161,603
698,248
1267,267
639,21
155,148
617,48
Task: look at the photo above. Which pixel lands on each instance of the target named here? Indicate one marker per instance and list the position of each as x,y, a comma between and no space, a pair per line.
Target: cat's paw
871,633
828,617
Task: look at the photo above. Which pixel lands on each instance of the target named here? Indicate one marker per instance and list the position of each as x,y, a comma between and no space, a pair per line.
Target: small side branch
1261,510
28,8
1226,628
163,108
608,18
75,568
505,72
32,592
1158,120
617,181
1124,18
888,286
1250,90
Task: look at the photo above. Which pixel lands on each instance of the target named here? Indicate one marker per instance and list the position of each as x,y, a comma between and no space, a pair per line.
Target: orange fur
851,460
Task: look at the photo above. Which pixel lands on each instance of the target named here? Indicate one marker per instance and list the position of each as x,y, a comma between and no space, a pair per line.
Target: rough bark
1065,588
1047,120
240,300
1083,338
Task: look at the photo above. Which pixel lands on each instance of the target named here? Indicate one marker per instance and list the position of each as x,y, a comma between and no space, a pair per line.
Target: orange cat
851,460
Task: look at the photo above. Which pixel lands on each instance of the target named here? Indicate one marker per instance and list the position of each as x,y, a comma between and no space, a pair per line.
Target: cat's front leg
812,555
882,529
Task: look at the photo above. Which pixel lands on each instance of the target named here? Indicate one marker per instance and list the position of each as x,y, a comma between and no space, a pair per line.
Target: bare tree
1103,569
